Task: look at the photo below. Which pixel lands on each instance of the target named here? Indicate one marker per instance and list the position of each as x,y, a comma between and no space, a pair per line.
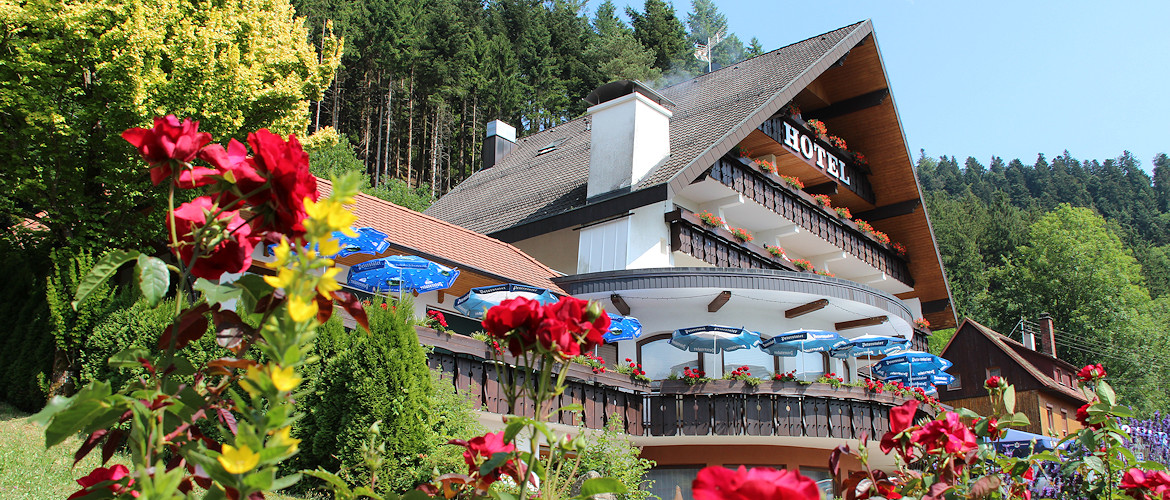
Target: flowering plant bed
766,165
709,219
803,264
824,272
774,250
741,234
634,370
742,374
792,181
818,128
843,212
823,200
436,321
690,376
899,248
594,362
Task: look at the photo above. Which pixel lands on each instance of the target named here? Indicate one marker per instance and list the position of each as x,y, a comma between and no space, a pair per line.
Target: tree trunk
435,149
389,109
410,129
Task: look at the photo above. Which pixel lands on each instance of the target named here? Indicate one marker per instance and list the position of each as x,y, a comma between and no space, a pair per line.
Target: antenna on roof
703,51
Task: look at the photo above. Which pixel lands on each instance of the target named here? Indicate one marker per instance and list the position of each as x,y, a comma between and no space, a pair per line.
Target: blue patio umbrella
1014,440
914,369
400,273
368,240
712,339
925,379
623,328
870,345
797,341
478,300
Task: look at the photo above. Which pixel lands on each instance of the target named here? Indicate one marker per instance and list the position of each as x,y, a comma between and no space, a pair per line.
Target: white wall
637,241
630,135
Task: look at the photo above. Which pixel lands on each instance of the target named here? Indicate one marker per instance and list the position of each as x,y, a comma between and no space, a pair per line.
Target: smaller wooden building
1046,387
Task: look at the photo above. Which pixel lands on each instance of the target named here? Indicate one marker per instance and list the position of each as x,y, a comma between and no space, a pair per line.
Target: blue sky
1013,79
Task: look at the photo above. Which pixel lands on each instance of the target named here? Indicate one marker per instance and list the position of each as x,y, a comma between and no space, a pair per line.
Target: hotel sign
802,144
805,145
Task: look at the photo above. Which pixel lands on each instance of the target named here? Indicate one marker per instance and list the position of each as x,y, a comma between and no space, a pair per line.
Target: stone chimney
1047,335
630,134
501,140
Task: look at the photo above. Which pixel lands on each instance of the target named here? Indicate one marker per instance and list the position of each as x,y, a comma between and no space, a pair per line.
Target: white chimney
630,133
1029,339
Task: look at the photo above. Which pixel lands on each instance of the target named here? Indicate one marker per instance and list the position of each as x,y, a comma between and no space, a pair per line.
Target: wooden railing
799,207
725,408
716,246
859,183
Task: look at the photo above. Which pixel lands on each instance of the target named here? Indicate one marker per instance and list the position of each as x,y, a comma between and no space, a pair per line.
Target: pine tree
615,53
658,29
754,48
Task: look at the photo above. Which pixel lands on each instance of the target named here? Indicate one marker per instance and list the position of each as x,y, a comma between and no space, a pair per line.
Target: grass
29,471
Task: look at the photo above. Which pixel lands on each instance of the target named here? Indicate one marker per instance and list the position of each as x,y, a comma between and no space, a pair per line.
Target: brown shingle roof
713,112
1016,351
418,233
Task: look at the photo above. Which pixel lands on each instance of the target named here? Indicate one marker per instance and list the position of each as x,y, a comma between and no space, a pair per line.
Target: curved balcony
715,408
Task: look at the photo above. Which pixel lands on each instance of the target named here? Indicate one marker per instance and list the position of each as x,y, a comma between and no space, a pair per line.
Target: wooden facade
1045,386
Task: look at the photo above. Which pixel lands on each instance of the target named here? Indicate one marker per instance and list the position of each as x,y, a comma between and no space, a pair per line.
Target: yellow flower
282,253
285,379
328,283
252,381
283,279
301,309
282,438
238,461
330,246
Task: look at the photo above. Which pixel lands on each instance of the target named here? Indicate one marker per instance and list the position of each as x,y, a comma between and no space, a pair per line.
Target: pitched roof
416,233
1020,354
712,113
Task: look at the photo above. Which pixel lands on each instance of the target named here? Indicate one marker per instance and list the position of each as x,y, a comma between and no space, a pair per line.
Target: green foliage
611,454
26,340
332,155
452,416
76,74
658,29
360,379
396,191
939,339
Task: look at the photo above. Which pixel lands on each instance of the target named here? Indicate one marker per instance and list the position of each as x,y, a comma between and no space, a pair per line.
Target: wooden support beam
620,303
822,188
892,210
441,296
850,105
720,299
813,306
935,306
858,323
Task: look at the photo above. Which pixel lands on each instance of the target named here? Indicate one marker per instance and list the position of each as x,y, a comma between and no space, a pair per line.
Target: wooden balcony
799,207
716,246
720,407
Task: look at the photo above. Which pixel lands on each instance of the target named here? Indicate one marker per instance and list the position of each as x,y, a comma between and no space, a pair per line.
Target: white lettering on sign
802,144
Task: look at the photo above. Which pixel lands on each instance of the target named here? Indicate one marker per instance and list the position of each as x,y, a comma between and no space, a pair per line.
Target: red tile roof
428,237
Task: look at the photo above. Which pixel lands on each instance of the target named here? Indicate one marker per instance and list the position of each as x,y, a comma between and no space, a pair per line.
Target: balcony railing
858,182
799,208
716,246
725,408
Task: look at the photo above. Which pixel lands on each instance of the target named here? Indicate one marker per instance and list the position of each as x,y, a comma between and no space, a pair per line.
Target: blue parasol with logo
400,273
790,343
368,240
713,339
870,345
914,369
623,328
477,301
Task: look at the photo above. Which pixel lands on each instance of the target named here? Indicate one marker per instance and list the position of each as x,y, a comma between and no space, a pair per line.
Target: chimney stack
1029,338
630,135
1047,335
501,140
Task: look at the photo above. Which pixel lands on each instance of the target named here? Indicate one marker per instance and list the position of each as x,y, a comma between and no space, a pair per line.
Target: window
1051,422
660,359
1064,421
665,479
957,384
759,362
608,352
993,372
808,365
823,478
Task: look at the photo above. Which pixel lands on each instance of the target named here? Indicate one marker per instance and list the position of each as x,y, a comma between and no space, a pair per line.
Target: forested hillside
419,79
1086,241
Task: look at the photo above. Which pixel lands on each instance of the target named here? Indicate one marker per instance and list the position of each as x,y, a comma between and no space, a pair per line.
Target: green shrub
360,379
451,416
612,454
26,340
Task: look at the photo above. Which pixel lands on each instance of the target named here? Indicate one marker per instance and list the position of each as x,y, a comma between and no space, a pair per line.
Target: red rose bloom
171,141
1138,483
948,435
275,180
574,313
1083,417
101,474
480,450
901,417
515,320
1091,372
994,382
233,254
760,483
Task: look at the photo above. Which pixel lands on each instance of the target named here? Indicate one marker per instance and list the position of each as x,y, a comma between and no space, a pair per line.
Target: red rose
480,450
275,180
1083,417
171,141
102,474
901,417
994,382
1091,372
515,320
578,319
948,435
233,253
760,483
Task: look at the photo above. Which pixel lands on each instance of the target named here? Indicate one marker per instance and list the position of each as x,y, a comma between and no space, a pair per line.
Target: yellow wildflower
283,279
329,246
328,283
253,380
238,460
285,379
282,253
282,438
302,309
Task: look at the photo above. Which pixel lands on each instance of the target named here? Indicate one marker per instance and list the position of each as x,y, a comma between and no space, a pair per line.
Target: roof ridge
457,227
998,339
